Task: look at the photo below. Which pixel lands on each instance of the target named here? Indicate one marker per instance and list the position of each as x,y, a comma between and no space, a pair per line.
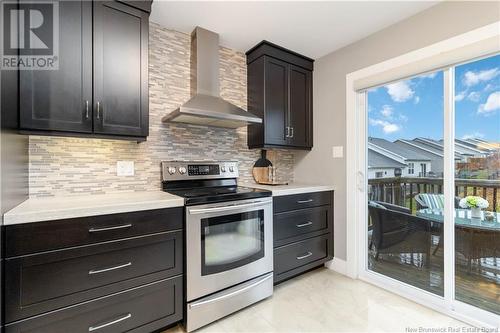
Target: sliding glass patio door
477,183
405,176
432,152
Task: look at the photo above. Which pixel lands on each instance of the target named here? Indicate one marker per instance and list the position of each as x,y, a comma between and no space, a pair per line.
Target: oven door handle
233,293
196,211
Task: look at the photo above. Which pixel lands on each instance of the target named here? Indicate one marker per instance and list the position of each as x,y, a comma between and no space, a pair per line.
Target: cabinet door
120,69
276,101
61,100
300,109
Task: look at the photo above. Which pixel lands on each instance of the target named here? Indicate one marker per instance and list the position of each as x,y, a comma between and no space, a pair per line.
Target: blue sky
414,107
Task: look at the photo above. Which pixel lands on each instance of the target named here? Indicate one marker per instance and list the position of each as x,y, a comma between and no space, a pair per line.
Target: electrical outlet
125,168
338,151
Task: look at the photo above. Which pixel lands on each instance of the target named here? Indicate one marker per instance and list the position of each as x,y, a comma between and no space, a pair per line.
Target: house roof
479,144
400,150
425,149
377,160
432,145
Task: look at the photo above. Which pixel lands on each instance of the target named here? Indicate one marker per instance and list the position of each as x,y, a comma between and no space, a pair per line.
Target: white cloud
474,96
475,135
428,76
387,111
461,95
403,118
490,87
416,100
387,127
400,91
472,78
492,103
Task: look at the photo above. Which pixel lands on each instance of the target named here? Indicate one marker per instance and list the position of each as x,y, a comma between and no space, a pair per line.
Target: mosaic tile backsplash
72,166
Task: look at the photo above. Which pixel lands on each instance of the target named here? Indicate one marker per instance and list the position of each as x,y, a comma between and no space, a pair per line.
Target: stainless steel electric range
229,235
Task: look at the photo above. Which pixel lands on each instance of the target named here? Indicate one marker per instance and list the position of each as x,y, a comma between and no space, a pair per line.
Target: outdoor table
475,238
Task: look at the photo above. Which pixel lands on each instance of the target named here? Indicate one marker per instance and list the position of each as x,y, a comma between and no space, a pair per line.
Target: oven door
227,243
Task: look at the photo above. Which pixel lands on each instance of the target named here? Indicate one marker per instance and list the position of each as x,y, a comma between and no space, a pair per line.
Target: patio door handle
361,181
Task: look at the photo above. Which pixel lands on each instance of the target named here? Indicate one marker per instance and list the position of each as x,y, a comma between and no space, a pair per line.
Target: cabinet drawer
142,309
299,201
28,238
304,254
44,282
296,224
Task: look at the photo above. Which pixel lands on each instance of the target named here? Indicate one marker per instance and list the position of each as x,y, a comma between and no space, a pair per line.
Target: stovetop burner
206,182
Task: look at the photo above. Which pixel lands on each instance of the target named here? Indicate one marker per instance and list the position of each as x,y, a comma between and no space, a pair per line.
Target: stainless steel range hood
206,107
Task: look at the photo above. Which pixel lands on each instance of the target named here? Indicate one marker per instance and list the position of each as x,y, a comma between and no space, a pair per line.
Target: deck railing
401,191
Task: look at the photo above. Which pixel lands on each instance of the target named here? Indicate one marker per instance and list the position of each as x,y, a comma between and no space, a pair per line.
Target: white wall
388,172
437,23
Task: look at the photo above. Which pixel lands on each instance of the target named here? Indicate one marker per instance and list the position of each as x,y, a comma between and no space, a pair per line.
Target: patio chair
436,202
432,201
392,207
396,232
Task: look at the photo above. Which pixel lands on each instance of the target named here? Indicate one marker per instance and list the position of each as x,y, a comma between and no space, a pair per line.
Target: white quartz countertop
56,208
292,188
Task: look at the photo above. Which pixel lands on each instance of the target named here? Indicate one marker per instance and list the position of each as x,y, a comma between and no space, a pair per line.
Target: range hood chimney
206,107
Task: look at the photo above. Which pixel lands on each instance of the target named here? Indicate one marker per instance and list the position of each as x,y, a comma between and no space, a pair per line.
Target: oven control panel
203,170
178,170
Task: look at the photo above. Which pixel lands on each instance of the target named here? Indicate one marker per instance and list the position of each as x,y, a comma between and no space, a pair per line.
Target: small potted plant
475,204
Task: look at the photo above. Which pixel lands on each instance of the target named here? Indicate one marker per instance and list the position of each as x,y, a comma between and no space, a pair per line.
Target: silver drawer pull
245,287
116,321
305,201
304,256
303,224
123,226
97,271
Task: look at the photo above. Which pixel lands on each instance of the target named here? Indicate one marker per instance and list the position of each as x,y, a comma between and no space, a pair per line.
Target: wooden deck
479,287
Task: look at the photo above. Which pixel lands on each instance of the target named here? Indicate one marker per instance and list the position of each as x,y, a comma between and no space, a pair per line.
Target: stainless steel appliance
229,236
206,107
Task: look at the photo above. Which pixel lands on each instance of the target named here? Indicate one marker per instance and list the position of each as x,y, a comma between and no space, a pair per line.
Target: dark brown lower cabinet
303,233
39,283
142,309
112,273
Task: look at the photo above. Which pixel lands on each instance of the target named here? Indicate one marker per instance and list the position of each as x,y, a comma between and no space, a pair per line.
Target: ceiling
310,28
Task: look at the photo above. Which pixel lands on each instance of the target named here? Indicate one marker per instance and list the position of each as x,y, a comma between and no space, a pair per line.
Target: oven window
231,241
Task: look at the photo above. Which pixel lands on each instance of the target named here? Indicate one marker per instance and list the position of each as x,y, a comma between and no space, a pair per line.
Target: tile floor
325,301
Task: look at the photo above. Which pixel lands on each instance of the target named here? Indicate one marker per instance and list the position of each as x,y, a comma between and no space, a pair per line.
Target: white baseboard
337,265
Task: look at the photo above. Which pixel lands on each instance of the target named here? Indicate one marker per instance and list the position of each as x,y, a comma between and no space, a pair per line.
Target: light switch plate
125,168
338,151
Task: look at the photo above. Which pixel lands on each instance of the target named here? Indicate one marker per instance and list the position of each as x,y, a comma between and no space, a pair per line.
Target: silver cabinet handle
98,110
87,109
116,321
304,201
98,271
232,293
287,132
226,208
123,226
303,224
291,132
304,256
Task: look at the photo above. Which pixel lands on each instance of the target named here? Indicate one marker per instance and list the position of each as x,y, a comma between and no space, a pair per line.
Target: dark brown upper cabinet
120,69
280,92
101,86
61,100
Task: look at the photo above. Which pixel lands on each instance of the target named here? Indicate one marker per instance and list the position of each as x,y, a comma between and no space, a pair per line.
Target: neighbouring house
417,164
382,166
433,151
